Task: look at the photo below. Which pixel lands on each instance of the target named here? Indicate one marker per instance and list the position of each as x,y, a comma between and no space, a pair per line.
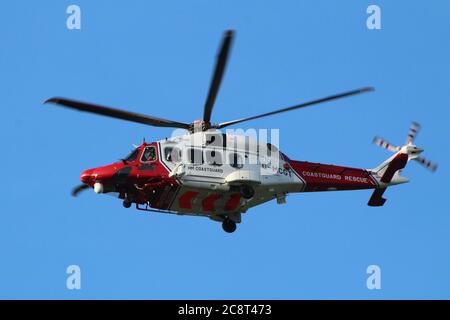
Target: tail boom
326,177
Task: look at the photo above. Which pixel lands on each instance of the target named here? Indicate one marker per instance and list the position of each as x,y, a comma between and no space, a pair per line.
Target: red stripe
399,162
233,202
208,202
185,200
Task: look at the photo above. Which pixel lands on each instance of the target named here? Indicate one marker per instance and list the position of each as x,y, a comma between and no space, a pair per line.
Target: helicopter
205,172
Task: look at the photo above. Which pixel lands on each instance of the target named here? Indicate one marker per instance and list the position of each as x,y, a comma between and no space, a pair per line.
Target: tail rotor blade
413,130
384,144
78,189
427,164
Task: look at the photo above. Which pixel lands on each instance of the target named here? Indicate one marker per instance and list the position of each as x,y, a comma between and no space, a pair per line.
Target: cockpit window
132,156
149,154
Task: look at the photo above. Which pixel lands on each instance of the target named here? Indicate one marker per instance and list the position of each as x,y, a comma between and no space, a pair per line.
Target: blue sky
156,58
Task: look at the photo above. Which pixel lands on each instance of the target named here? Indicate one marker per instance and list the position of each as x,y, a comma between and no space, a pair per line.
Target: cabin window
172,154
236,161
195,156
149,154
213,157
132,156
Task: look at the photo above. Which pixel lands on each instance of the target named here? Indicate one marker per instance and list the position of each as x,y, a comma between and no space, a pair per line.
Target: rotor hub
199,126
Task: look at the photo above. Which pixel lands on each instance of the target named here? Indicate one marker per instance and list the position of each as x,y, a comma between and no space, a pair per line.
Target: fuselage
214,174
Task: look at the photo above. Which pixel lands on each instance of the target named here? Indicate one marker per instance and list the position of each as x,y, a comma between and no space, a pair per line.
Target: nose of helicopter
87,176
102,173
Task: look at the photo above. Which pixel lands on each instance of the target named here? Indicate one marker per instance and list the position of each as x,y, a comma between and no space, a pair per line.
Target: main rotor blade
221,63
306,104
427,164
116,113
78,189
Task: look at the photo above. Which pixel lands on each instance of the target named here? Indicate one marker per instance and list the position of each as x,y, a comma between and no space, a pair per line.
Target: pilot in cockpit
149,154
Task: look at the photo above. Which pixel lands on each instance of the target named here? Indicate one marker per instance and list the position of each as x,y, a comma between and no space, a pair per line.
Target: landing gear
126,203
247,191
229,226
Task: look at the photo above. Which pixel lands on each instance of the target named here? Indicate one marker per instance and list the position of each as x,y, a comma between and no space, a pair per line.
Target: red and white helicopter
209,173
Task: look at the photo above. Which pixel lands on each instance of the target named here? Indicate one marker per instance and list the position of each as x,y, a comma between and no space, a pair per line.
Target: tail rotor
409,148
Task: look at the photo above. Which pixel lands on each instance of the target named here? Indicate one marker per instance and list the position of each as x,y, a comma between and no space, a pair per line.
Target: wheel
247,191
229,226
126,203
